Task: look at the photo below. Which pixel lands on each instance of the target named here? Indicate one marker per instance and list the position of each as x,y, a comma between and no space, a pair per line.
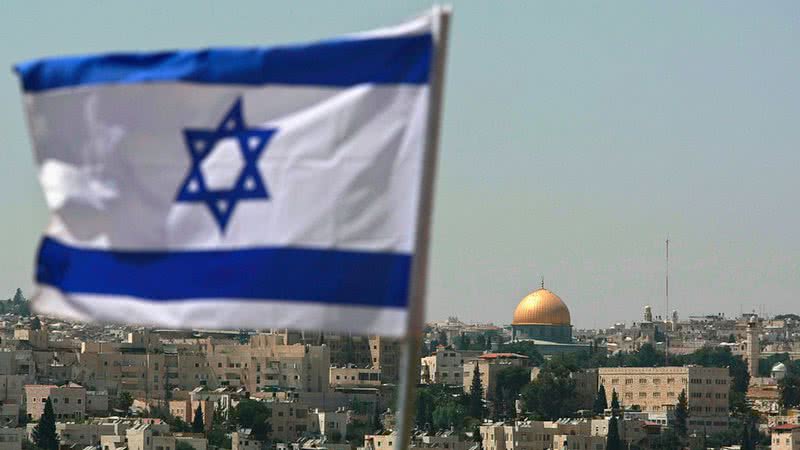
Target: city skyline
569,150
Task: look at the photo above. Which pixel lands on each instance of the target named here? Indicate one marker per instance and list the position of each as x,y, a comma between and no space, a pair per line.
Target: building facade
656,390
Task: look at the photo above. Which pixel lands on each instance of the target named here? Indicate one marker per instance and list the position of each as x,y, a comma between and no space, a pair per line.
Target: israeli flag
234,187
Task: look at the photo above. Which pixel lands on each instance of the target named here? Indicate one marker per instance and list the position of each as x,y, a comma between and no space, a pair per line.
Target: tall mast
666,313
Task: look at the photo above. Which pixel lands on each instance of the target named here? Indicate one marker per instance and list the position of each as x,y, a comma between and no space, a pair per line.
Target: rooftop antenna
666,312
542,282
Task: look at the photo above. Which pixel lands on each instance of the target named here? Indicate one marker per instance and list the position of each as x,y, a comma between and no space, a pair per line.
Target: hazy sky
576,137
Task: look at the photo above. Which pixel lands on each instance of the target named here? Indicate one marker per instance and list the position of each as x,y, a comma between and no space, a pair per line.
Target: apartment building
330,423
69,401
656,390
108,368
11,438
786,437
12,388
244,440
445,366
290,420
353,376
156,436
185,410
385,353
589,434
267,363
489,365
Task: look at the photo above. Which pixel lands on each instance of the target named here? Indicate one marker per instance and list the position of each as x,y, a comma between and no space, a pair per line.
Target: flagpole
416,320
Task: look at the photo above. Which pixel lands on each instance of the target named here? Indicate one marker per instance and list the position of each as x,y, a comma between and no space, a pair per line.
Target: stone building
786,437
11,438
445,366
69,401
489,364
353,376
656,389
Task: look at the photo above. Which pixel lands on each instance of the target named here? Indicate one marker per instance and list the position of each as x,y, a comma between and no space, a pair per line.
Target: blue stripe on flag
343,62
281,273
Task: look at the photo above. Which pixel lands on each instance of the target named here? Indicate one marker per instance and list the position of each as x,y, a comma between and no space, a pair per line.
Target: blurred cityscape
535,384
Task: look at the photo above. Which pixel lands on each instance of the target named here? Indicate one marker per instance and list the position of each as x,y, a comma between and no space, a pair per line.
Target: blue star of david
249,184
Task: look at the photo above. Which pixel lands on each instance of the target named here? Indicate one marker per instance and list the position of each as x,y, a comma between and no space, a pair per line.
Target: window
66,401
80,401
628,380
642,380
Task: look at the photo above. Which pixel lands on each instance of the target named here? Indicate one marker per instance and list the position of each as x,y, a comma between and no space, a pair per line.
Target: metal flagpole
411,349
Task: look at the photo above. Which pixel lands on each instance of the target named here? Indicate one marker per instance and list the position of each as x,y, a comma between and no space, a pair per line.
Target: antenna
666,312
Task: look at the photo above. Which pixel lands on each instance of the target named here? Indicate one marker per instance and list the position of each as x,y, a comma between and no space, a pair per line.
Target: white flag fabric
233,187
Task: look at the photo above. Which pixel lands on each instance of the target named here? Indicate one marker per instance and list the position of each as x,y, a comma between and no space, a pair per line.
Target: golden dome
541,307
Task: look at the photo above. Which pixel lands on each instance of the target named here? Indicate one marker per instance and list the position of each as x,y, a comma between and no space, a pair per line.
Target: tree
448,415
789,390
613,441
746,442
125,401
552,394
442,338
615,408
476,436
217,435
44,433
667,440
526,348
476,408
183,445
18,297
198,424
254,415
600,402
681,414
510,381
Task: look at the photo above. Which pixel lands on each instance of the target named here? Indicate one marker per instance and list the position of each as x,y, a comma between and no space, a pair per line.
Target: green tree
681,414
254,415
510,381
600,402
18,297
789,391
476,408
667,440
44,433
765,365
552,394
198,424
476,436
124,401
449,415
218,434
647,356
182,445
526,348
746,442
613,441
442,338
615,407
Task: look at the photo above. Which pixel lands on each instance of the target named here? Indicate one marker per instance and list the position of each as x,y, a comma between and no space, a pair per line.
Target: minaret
753,347
648,314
